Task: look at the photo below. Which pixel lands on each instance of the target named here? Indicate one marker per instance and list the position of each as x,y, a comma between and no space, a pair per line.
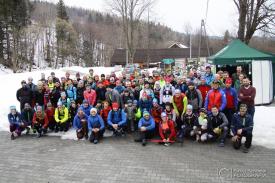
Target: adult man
146,126
235,76
166,92
231,101
247,95
217,125
194,97
117,120
204,89
24,95
242,126
215,97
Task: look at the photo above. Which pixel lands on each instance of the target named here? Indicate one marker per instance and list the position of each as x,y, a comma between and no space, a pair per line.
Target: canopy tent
237,52
168,61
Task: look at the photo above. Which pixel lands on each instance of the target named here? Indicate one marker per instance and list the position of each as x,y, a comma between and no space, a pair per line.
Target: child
130,112
201,127
189,120
50,114
156,113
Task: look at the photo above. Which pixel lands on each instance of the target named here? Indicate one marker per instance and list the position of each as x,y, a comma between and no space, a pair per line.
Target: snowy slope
264,125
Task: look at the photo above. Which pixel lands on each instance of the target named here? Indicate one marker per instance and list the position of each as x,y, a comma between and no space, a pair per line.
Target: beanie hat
49,104
39,108
190,107
59,104
203,110
146,113
12,107
178,91
155,100
63,94
93,110
115,105
129,101
85,101
27,105
163,114
228,81
135,102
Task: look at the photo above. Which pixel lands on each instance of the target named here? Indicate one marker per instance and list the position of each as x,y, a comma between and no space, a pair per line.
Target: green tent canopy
168,61
237,52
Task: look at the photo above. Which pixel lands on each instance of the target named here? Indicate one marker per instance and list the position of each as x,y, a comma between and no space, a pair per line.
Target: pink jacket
90,97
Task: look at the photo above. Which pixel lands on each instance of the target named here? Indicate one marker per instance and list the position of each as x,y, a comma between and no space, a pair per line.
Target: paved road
50,159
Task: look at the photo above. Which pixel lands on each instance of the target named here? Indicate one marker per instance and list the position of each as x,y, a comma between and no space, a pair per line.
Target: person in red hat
231,101
117,120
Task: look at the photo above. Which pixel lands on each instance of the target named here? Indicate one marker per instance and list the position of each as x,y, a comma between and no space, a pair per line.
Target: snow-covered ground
264,123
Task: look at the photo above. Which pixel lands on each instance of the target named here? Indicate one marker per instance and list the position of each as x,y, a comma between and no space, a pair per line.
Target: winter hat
208,67
39,108
191,83
102,75
27,105
178,91
202,78
190,107
157,83
146,113
135,102
155,100
146,82
23,82
129,101
203,110
163,114
12,107
228,81
85,101
49,104
59,104
72,102
63,94
93,110
115,105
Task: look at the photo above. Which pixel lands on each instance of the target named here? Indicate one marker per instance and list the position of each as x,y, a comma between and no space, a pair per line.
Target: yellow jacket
61,116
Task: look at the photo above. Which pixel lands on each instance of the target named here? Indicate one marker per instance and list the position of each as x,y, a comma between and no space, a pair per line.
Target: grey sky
222,14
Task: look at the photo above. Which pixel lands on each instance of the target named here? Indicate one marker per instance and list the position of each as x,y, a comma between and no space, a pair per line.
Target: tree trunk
242,19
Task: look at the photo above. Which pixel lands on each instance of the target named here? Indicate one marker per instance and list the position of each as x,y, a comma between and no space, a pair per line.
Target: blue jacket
86,109
116,117
233,93
15,119
120,89
149,124
66,103
95,122
71,92
77,121
209,78
239,122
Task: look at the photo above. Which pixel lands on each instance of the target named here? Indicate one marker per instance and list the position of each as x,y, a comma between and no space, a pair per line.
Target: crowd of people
163,107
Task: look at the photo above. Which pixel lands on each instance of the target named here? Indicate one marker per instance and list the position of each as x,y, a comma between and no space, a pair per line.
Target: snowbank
264,125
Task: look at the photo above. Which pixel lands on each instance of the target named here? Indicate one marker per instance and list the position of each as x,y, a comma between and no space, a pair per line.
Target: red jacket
247,96
44,120
105,83
90,97
204,89
171,128
50,115
215,98
104,113
156,112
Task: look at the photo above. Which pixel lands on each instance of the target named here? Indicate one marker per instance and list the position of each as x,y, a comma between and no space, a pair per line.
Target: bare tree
255,15
131,12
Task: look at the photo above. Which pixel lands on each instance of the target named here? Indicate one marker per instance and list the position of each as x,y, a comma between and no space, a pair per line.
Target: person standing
24,95
247,95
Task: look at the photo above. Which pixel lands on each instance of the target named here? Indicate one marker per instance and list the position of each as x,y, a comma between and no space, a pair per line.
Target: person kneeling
16,123
201,127
242,126
167,131
96,126
40,121
146,127
61,117
117,120
80,123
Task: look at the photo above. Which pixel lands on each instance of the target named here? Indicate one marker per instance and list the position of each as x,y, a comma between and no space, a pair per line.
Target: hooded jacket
148,124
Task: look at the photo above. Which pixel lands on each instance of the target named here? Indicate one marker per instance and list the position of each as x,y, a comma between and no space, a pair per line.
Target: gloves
217,131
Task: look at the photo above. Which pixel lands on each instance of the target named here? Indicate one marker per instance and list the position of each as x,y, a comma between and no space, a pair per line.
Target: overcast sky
222,14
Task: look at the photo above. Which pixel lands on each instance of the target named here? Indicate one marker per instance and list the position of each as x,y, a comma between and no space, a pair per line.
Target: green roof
237,52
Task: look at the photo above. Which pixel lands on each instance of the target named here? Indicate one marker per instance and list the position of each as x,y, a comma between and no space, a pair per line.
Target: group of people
173,107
